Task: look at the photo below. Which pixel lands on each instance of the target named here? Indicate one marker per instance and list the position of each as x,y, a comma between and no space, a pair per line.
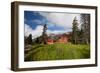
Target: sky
57,23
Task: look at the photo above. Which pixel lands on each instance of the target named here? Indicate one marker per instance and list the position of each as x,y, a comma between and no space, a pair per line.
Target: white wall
5,28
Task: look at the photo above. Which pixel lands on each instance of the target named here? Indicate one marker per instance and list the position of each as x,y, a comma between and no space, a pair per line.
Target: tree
75,31
38,40
29,39
85,27
44,35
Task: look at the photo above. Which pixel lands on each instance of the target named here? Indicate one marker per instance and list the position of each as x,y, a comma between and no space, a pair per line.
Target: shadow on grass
28,56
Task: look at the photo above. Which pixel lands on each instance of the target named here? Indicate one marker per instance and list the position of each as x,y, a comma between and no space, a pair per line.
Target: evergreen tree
44,35
85,27
29,39
75,31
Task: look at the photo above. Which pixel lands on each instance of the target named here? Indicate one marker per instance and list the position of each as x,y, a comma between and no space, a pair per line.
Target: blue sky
57,23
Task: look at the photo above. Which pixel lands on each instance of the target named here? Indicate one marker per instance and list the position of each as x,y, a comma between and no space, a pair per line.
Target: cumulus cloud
35,33
56,32
61,19
37,21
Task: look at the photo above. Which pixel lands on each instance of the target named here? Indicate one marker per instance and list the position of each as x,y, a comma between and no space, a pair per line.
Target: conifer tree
75,31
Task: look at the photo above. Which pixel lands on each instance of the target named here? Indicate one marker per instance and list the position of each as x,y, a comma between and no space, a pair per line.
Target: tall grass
58,51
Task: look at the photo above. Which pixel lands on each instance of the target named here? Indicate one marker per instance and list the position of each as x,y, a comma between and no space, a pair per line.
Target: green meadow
57,51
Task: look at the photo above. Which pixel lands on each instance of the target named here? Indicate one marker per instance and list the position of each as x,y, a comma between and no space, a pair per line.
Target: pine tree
75,31
85,27
29,39
44,35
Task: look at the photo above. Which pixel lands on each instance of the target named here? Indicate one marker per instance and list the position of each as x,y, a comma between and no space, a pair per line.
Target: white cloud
35,33
61,19
56,32
37,21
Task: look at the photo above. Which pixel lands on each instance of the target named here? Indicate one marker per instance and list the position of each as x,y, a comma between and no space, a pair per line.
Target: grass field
57,51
